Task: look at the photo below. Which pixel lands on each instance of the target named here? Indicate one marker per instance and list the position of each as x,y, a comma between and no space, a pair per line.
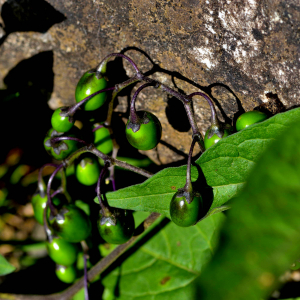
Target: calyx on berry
61,121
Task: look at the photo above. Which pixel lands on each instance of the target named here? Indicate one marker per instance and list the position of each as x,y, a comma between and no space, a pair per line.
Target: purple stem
98,127
188,184
40,176
49,202
133,115
67,138
103,172
113,184
73,108
214,118
104,61
86,292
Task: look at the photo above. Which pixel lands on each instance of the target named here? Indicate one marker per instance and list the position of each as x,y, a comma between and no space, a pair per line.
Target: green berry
119,233
62,252
184,214
61,149
87,85
102,140
61,123
71,223
66,274
88,171
148,134
208,142
39,204
249,118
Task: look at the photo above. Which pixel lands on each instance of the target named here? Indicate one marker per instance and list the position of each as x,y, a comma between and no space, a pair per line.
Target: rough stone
242,53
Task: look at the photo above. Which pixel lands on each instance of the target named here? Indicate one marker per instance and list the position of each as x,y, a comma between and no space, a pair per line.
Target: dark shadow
288,290
273,106
28,15
25,114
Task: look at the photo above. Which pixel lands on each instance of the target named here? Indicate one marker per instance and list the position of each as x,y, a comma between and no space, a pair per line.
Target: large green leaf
225,167
166,266
5,266
261,237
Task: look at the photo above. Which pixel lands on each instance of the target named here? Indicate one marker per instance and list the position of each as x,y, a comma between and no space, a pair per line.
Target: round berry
61,149
60,122
39,204
148,134
208,142
71,223
249,118
102,140
87,85
66,274
62,252
88,171
184,214
119,233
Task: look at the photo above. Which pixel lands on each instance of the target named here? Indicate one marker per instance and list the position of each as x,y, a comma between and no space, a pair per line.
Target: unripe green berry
61,123
119,233
71,223
88,171
66,274
208,142
62,252
149,133
103,141
184,214
249,118
87,85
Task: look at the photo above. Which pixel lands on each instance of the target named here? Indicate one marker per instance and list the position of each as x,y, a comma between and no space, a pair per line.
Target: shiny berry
184,214
102,140
88,171
60,122
249,118
119,233
71,223
87,85
210,141
66,274
62,149
62,252
146,134
39,204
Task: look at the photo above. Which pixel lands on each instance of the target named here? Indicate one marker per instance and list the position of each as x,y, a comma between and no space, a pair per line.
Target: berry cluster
66,224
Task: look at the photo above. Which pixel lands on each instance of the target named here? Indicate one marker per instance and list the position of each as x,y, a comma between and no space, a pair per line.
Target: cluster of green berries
243,121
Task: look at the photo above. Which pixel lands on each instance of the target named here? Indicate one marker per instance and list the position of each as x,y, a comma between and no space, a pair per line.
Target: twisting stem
66,138
188,185
86,292
73,108
133,116
98,189
41,183
101,69
214,118
49,202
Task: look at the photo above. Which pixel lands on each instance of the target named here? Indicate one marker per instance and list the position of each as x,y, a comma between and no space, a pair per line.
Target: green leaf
225,167
5,266
166,266
262,234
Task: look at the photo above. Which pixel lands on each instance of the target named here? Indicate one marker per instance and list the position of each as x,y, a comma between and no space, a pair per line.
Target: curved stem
66,138
214,118
41,183
133,116
188,185
73,108
49,202
101,69
104,208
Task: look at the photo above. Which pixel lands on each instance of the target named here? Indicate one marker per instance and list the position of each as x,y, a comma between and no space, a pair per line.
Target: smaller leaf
5,266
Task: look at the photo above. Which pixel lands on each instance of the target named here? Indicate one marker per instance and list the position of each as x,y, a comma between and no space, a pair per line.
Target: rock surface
242,53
